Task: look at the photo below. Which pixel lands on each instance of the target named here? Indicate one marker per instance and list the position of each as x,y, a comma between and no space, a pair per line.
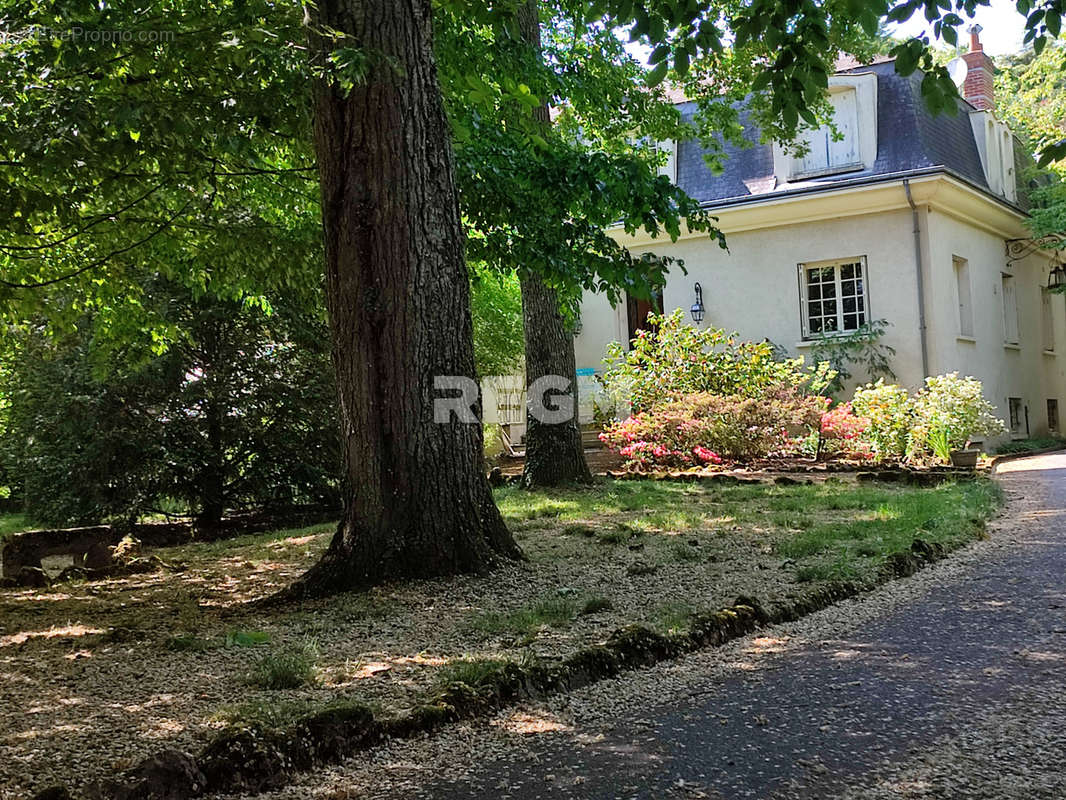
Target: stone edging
253,760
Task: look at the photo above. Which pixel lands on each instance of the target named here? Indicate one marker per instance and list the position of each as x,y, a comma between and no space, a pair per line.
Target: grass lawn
97,675
12,523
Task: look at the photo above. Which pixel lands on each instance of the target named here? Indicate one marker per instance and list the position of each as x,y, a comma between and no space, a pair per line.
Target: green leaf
659,54
656,76
681,63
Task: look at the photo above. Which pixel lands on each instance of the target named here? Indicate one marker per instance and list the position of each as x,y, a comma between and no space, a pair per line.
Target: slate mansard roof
910,140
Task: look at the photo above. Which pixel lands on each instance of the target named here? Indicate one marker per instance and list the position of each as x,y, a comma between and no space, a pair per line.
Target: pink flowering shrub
841,433
703,428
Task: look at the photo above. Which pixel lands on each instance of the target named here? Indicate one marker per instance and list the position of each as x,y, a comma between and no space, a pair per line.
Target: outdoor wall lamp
697,309
1056,280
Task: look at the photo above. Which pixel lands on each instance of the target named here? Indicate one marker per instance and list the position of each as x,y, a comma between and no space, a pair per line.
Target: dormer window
663,152
995,145
825,153
853,98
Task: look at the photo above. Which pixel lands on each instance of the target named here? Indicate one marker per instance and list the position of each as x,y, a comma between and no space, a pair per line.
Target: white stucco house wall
914,219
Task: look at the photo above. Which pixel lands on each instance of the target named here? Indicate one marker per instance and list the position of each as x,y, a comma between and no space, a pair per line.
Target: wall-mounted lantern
697,310
1056,280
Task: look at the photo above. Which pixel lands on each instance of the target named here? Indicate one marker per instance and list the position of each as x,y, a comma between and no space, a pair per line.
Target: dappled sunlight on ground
52,633
526,723
102,673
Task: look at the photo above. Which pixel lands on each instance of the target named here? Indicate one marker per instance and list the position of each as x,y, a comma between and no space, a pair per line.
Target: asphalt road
960,693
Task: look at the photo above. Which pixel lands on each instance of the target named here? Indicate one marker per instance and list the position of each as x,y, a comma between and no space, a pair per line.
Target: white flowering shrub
948,412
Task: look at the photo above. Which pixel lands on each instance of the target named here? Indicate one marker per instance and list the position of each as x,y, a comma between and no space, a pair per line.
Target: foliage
947,412
1019,446
238,412
861,349
496,308
939,418
889,413
675,359
705,428
1031,97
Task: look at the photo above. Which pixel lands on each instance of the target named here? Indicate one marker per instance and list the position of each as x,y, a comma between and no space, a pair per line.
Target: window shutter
845,115
669,167
817,155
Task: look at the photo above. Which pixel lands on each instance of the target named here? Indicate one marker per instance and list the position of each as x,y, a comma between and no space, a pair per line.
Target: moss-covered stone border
910,476
254,759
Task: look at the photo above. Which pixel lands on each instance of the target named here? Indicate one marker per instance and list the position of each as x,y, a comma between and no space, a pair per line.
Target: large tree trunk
399,306
554,452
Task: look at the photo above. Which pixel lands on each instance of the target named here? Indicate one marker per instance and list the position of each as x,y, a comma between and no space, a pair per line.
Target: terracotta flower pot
964,458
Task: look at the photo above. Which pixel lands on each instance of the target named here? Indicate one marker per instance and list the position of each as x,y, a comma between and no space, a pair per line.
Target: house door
637,311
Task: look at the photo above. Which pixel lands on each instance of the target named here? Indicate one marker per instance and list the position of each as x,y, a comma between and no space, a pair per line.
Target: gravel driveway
951,684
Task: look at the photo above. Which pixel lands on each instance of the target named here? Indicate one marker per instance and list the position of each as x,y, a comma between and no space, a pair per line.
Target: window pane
829,324
816,325
814,292
849,305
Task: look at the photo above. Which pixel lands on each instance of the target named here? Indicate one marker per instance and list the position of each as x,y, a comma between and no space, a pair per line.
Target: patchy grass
949,514
598,558
471,671
274,714
289,668
594,605
241,638
285,544
671,617
551,611
1029,445
183,643
13,523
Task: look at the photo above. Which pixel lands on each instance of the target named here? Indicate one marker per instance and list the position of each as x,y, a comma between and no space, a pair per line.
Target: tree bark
398,298
554,452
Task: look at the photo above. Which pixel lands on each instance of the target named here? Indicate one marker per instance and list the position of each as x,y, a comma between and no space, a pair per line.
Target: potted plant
965,458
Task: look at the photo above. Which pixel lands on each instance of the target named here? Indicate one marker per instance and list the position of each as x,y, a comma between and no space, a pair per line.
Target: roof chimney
978,86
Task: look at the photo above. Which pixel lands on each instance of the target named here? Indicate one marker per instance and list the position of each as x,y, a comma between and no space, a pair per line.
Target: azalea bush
705,428
675,360
841,432
947,413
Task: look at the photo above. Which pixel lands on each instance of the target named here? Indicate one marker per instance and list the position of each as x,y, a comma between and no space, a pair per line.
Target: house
911,218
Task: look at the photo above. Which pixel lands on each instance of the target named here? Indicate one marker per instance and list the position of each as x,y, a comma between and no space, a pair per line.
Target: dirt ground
95,676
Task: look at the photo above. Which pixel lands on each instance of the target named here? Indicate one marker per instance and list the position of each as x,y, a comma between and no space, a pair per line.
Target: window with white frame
962,294
826,151
1048,321
1014,407
833,297
1010,309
